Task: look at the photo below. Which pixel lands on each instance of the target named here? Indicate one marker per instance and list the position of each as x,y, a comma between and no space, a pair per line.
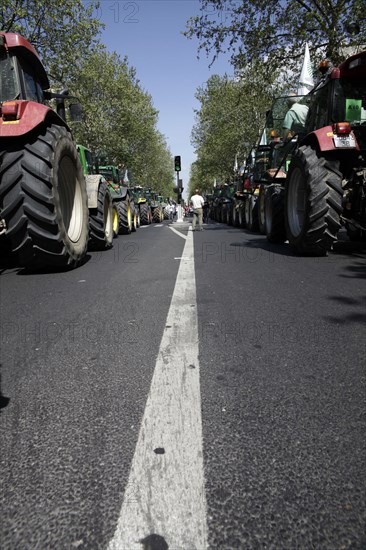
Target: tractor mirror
76,112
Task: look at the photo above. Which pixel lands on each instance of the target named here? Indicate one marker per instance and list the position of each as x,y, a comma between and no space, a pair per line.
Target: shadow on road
8,262
4,401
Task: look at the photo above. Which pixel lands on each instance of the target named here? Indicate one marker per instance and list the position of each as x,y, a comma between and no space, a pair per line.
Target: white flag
306,81
236,163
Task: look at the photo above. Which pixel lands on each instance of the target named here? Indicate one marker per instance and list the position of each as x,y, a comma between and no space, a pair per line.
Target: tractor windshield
352,101
110,173
287,113
337,101
9,83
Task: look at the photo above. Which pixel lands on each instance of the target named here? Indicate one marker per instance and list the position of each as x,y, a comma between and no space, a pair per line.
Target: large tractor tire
235,216
134,217
145,214
275,215
251,213
115,220
241,213
313,202
262,210
43,198
124,216
101,220
157,215
229,217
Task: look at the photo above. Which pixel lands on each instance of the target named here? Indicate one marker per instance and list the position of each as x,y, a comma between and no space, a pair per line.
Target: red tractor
315,177
43,199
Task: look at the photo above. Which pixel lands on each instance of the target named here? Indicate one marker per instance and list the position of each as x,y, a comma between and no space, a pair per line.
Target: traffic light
177,164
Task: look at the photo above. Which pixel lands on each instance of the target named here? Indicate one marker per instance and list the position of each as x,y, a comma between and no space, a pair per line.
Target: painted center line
165,494
177,232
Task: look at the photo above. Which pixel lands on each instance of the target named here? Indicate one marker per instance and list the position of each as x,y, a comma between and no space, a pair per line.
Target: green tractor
142,204
108,201
127,214
157,209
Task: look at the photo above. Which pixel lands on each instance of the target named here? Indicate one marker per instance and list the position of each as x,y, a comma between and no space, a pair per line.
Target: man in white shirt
197,201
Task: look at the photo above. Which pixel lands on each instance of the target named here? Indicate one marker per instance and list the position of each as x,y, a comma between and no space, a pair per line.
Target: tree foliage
277,31
266,40
62,32
119,119
228,122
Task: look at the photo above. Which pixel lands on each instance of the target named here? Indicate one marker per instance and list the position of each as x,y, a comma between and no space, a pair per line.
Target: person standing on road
171,212
197,202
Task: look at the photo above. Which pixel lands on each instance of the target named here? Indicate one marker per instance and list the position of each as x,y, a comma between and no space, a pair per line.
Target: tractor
109,202
315,178
143,205
122,199
157,209
43,198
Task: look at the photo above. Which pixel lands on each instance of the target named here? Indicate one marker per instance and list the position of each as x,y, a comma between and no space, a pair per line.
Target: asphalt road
233,421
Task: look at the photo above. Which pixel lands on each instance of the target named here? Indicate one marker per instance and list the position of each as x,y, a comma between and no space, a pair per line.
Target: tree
276,32
63,33
119,120
227,123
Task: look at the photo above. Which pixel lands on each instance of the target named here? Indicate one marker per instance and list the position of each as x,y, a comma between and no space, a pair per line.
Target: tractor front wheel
124,216
275,215
251,213
101,220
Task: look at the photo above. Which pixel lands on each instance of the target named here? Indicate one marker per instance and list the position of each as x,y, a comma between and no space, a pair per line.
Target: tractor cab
279,137
22,75
111,174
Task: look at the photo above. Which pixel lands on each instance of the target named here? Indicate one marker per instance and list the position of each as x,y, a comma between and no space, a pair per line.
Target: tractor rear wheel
124,216
313,201
261,209
157,215
145,214
101,220
234,215
241,214
43,198
134,217
251,213
275,215
115,220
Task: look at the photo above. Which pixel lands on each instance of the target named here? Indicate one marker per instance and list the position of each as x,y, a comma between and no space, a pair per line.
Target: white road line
165,493
177,232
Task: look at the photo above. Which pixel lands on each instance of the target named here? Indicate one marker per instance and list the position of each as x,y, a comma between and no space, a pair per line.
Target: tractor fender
120,194
124,192
92,186
29,115
323,138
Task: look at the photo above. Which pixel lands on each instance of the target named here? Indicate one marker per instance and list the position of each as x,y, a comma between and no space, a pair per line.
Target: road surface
188,391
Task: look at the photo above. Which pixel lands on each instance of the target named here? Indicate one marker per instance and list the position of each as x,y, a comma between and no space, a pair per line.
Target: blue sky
149,33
